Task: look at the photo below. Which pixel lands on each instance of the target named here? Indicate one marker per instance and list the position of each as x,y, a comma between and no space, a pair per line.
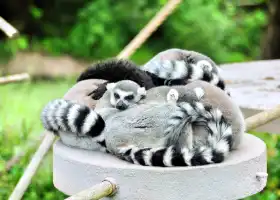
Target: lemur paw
172,95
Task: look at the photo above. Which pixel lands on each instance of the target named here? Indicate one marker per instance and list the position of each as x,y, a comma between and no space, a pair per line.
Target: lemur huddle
172,112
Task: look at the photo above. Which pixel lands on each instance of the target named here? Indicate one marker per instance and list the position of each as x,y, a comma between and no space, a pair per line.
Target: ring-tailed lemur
151,130
187,67
86,122
212,96
173,66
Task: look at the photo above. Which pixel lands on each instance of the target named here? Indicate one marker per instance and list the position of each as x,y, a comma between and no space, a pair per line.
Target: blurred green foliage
101,28
97,29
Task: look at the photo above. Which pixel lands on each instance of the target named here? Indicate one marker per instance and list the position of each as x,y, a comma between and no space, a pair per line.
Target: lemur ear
141,91
110,86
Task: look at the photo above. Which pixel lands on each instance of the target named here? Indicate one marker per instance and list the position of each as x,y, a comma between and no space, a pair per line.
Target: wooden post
7,28
147,31
106,188
262,118
14,78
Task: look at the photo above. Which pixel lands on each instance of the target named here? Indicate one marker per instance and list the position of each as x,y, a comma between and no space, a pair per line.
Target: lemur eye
129,97
116,95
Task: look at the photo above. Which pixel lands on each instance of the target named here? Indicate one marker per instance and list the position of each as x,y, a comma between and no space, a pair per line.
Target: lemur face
122,99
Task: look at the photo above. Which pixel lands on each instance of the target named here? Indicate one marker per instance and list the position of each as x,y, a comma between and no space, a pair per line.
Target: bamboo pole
106,188
147,31
7,28
262,118
25,180
14,78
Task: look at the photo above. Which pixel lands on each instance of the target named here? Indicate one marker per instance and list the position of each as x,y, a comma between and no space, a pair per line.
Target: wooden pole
49,139
7,28
106,188
14,78
147,31
262,118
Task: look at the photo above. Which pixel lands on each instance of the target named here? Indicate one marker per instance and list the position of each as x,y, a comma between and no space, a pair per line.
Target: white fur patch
187,155
197,72
172,96
147,157
217,113
215,80
110,86
89,122
52,108
72,115
141,91
222,146
213,127
180,70
204,64
199,92
168,157
207,155
59,115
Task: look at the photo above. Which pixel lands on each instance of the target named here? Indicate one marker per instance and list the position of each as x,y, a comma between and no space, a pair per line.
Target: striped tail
177,72
215,151
63,115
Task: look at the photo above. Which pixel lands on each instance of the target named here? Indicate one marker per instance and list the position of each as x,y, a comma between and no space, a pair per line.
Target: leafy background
97,29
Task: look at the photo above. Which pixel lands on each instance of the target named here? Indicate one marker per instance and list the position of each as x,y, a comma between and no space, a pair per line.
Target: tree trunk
271,43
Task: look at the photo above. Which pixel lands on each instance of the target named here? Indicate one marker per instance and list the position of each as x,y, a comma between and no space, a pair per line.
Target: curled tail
178,72
63,115
215,151
217,147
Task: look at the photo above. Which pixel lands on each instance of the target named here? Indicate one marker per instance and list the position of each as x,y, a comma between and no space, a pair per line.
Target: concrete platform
255,86
236,178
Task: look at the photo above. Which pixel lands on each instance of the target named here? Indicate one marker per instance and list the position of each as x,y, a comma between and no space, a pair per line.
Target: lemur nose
121,106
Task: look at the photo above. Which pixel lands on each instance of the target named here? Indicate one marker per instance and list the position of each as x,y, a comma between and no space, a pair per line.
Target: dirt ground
37,64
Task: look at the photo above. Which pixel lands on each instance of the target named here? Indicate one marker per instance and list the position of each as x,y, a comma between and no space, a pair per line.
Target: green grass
20,107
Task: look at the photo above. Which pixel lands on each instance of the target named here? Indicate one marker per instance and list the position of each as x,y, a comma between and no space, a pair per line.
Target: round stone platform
241,175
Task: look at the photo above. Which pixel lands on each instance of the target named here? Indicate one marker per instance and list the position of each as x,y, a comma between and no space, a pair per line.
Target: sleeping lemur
173,65
213,96
151,130
80,119
124,94
186,67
